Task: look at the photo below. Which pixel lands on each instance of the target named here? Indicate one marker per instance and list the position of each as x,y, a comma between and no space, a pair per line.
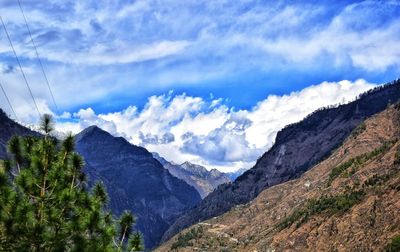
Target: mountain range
297,148
195,175
348,202
134,180
284,202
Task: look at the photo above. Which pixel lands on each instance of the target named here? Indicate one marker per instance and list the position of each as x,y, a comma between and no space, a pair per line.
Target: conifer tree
45,203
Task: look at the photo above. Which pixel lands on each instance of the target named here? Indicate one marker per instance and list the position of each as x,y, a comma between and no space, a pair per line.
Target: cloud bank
185,128
107,56
96,52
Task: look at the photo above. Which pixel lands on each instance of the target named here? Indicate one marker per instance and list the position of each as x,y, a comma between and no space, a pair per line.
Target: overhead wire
38,57
8,101
20,66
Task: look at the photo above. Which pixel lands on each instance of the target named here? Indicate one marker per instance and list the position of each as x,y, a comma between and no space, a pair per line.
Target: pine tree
45,203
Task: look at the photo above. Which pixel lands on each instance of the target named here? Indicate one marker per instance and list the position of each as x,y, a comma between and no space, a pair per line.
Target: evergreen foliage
327,204
45,204
397,157
394,244
357,162
184,240
343,202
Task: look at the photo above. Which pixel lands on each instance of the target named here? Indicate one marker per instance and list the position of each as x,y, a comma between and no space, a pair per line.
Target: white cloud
21,100
120,53
359,35
65,115
98,50
87,117
275,112
185,128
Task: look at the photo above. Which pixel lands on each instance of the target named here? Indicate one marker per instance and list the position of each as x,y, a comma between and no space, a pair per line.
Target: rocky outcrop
297,148
195,175
348,202
135,181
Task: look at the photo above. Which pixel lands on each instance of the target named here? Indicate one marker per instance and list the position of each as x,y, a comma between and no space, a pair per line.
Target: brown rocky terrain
348,202
298,147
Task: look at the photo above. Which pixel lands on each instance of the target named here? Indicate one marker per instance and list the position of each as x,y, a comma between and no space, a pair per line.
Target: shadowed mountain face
135,181
195,175
347,202
297,148
9,128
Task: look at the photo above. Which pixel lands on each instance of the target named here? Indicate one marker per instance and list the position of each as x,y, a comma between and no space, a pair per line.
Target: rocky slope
348,202
9,128
135,181
195,175
297,148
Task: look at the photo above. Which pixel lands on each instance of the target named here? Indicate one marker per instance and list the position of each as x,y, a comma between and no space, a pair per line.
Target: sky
210,82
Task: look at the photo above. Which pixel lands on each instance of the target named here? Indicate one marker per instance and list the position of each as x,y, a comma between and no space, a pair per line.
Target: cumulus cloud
155,139
87,117
273,113
225,144
186,128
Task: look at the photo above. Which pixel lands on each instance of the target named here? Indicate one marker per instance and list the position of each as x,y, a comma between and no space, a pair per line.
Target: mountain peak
201,170
102,138
187,163
135,181
195,175
215,172
92,129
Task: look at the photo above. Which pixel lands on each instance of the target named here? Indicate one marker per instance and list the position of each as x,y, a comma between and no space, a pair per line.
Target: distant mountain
195,175
347,202
135,181
234,175
9,128
297,148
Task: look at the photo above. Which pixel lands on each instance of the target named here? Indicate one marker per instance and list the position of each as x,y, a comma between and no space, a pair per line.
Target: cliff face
195,175
135,181
297,148
348,202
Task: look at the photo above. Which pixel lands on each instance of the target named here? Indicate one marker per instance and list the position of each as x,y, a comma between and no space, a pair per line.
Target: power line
20,67
38,57
8,100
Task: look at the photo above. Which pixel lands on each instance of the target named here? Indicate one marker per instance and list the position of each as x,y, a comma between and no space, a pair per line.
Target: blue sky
110,56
